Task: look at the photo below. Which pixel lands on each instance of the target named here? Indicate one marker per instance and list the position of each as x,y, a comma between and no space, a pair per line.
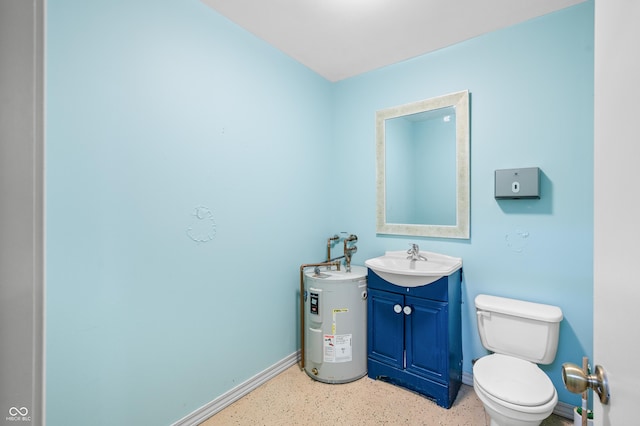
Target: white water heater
335,309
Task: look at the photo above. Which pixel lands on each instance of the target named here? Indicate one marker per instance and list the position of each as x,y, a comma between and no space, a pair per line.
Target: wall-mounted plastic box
517,183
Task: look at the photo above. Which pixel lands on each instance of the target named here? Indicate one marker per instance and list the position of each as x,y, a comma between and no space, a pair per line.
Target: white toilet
513,389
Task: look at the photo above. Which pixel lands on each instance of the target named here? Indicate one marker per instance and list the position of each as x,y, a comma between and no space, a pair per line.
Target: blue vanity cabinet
414,336
387,343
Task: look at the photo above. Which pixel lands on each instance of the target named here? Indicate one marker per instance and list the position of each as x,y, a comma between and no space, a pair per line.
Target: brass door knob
576,381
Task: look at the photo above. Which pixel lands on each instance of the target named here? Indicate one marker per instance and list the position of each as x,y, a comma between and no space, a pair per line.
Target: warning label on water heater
337,347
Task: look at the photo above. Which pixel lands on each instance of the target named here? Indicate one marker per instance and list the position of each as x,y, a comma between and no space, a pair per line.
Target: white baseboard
564,410
203,413
226,399
467,378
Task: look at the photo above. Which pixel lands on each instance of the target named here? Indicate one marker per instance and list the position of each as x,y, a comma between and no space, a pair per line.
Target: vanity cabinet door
414,336
427,351
385,335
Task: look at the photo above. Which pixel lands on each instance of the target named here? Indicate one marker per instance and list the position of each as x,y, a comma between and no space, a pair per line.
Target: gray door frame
22,212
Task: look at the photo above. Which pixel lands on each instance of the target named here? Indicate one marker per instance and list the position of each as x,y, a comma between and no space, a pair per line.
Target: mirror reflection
423,168
420,151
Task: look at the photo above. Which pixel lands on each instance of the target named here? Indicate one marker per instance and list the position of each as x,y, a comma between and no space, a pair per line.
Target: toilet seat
513,380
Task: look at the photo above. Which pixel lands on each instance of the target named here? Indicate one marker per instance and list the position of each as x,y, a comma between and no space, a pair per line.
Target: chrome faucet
349,249
414,253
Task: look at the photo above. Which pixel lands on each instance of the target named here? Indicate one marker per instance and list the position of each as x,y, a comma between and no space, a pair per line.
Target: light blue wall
434,166
399,148
417,155
531,88
156,108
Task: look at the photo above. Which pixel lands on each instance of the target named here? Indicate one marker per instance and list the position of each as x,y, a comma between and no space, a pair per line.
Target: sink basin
397,269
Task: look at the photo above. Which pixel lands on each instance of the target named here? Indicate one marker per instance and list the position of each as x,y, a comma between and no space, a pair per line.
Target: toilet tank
518,328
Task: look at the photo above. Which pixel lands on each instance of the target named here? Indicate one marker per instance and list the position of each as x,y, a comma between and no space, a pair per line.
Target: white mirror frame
460,101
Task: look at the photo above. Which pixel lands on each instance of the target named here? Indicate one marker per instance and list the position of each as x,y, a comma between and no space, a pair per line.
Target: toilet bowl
513,391
511,386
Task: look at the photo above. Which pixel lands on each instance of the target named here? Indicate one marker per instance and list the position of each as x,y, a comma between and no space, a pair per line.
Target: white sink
398,269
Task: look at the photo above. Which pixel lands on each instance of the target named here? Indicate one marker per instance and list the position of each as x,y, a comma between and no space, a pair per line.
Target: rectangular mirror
422,152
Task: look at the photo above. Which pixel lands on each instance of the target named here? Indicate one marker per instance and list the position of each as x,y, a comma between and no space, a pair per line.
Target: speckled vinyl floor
293,398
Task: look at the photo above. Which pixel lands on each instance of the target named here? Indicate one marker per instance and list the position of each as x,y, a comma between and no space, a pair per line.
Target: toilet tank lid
520,308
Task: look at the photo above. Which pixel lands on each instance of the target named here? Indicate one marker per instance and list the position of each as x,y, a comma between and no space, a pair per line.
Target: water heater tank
335,306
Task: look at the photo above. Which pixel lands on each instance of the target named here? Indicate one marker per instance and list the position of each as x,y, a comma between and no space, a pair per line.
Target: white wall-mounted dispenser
517,183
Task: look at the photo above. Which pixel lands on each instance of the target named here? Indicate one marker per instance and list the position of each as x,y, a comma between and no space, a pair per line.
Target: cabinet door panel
387,343
426,338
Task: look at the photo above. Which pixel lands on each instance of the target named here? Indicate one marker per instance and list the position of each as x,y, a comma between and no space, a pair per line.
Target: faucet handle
414,248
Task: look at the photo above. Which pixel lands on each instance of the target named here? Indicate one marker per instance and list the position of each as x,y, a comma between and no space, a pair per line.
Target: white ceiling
342,38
